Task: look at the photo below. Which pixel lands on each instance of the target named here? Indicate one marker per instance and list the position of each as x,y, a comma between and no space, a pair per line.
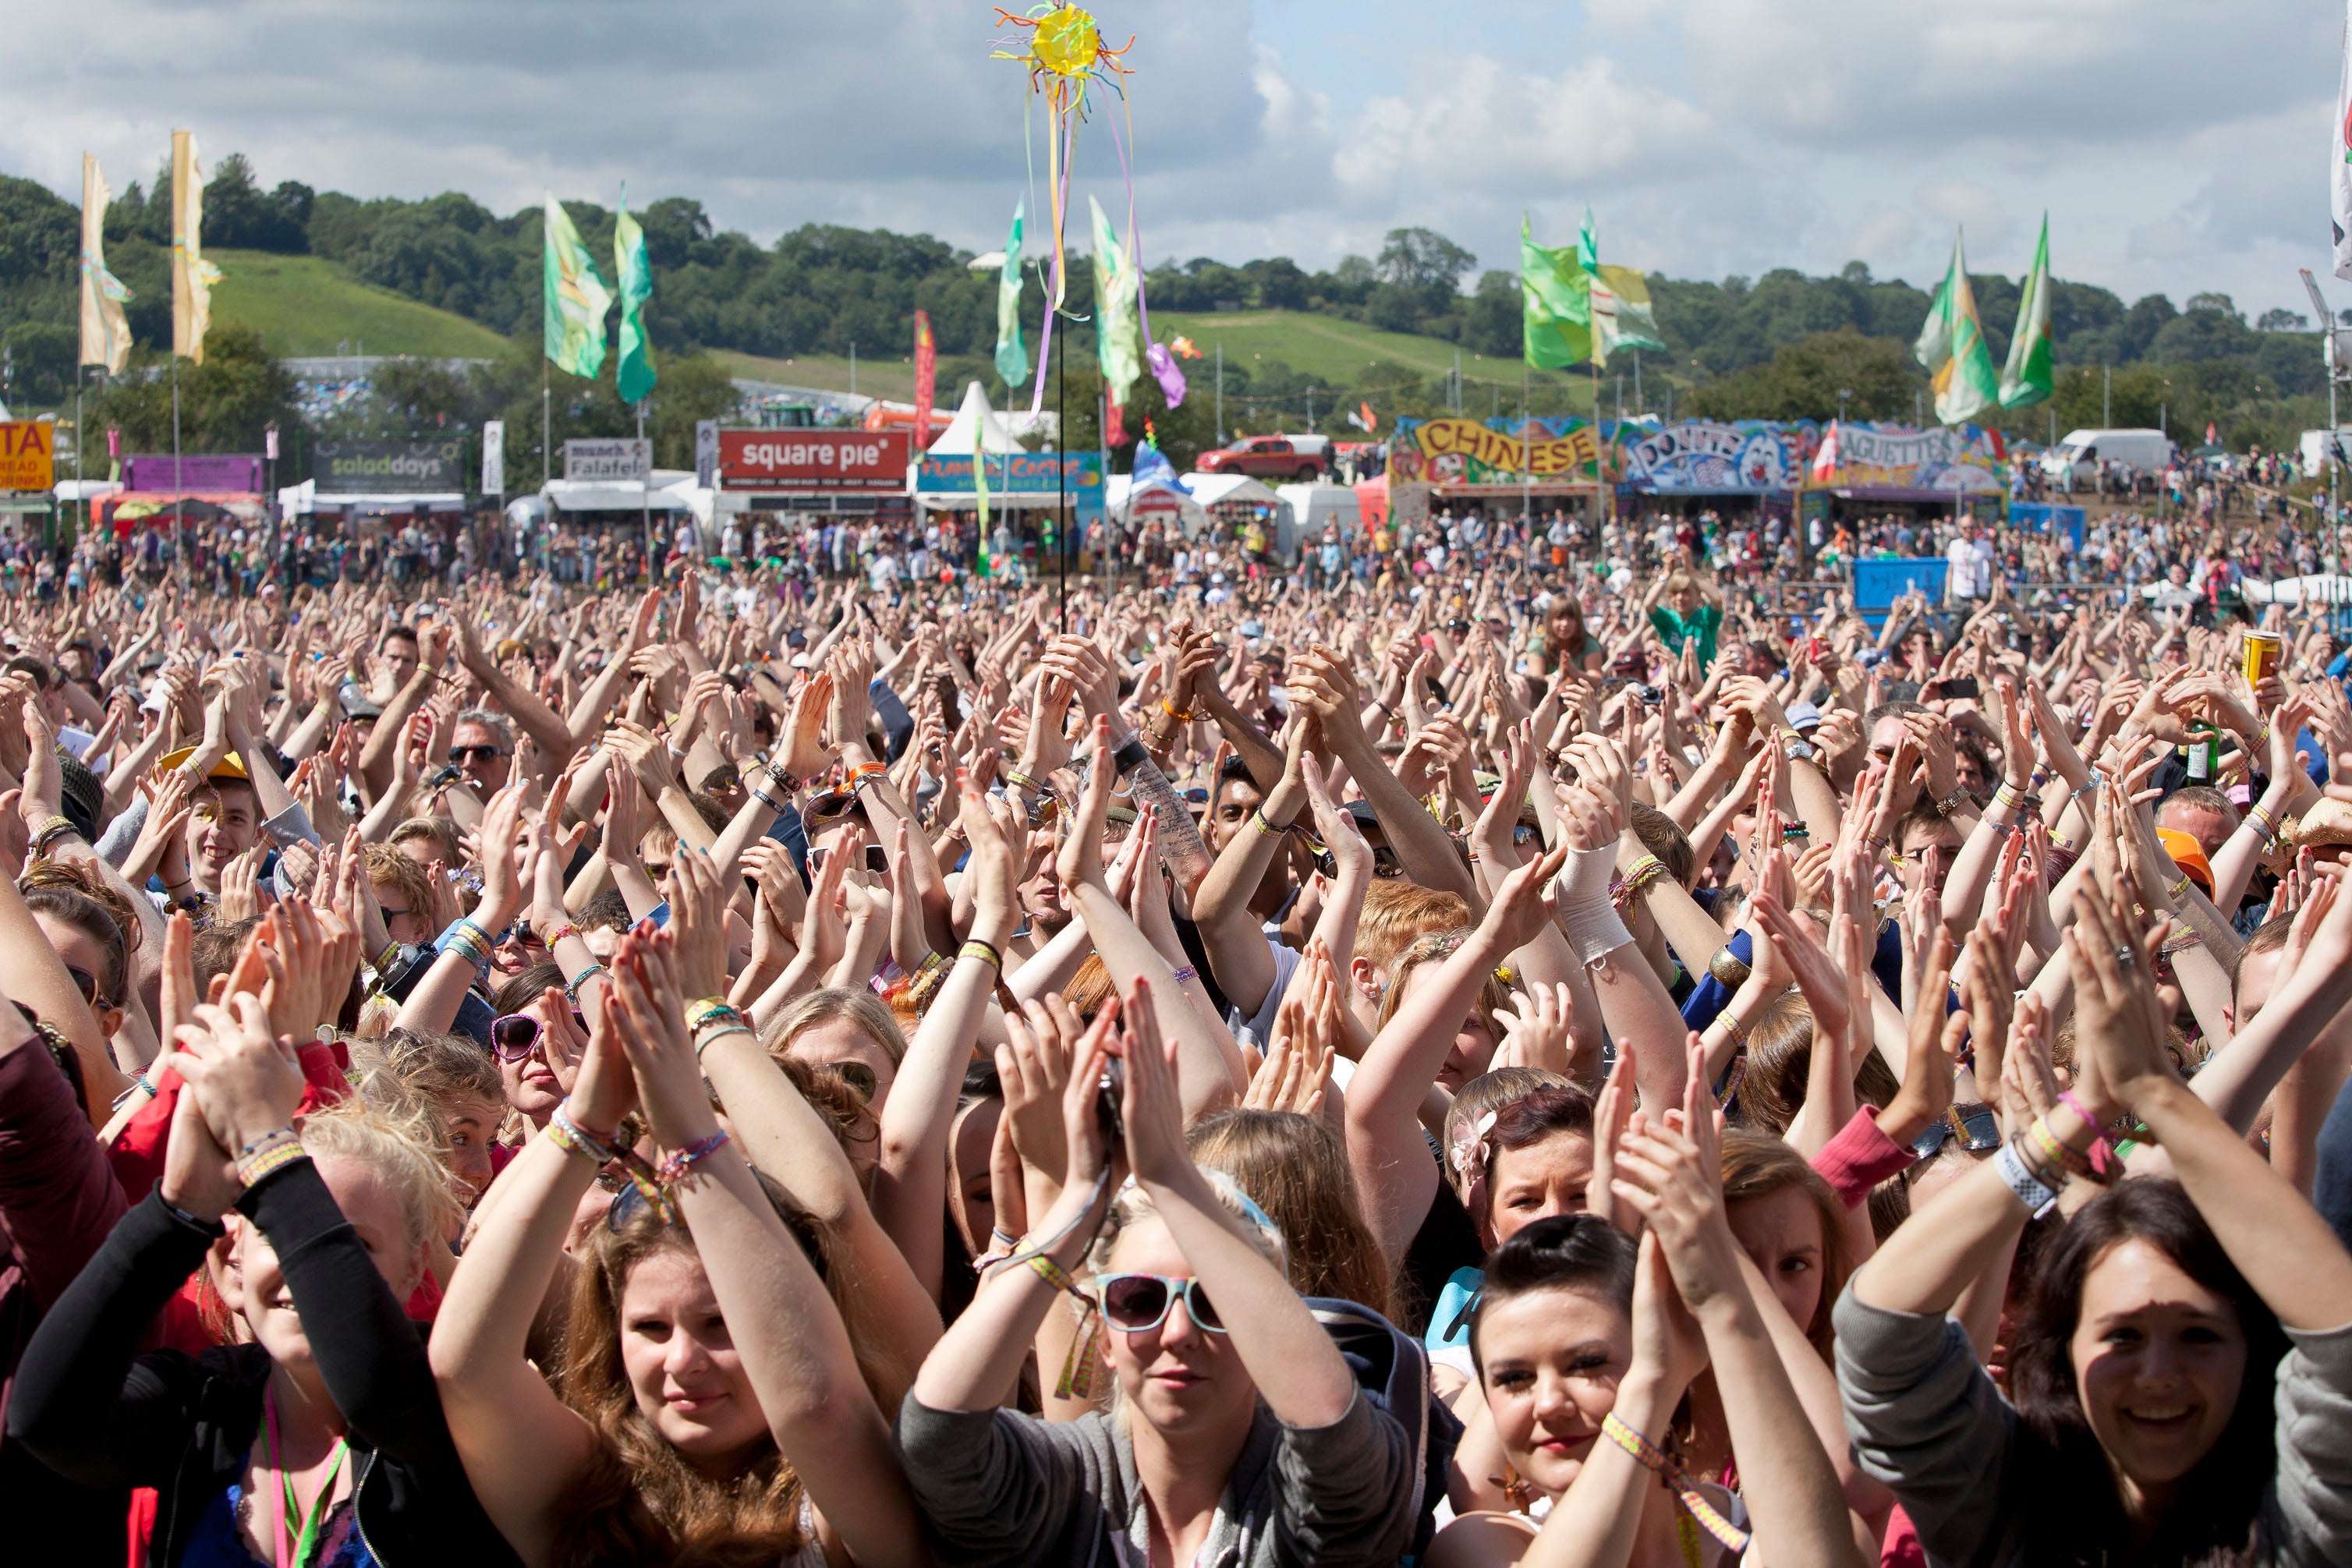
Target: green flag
1556,306
576,298
1118,331
1012,354
1588,244
1951,345
2028,379
636,275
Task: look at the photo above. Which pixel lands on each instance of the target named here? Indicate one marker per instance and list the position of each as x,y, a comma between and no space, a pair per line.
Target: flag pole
1526,476
546,434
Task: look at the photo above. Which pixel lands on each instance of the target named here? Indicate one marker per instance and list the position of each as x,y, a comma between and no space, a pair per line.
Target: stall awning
588,496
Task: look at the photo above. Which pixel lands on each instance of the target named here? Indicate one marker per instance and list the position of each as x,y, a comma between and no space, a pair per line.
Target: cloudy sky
2178,145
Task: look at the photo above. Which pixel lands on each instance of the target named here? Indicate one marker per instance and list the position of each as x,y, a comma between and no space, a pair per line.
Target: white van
2317,451
2078,456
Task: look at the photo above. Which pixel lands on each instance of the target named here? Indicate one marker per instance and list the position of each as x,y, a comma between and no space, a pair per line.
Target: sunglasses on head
513,1035
87,984
1978,1131
461,755
1134,1303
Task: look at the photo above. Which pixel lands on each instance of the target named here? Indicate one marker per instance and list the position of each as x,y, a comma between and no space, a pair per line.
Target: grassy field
304,305
892,378
1326,347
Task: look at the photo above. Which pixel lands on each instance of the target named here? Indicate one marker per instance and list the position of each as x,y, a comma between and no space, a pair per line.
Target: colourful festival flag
634,271
576,301
926,379
105,333
1556,306
1952,347
1588,244
192,276
1825,457
1012,354
2028,379
1621,314
1118,331
2339,158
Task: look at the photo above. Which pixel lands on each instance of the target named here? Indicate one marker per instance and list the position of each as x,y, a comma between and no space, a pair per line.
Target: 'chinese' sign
1464,450
27,454
811,460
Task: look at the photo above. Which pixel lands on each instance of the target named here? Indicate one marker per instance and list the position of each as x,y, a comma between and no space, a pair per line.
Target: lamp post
1844,393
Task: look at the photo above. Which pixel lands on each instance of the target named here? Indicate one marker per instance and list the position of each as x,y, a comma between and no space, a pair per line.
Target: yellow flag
192,276
105,334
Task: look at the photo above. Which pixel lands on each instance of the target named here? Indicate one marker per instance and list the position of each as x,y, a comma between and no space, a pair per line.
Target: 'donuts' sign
812,460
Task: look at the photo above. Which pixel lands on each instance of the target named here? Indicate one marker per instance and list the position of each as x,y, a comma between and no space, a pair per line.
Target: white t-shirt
1287,960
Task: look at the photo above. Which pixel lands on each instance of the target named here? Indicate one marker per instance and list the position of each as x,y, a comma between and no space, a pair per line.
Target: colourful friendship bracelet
1686,1492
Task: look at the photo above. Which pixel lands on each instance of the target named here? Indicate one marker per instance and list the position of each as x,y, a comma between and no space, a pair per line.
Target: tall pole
177,521
1639,406
852,368
546,423
81,479
1526,476
644,489
1061,465
2106,396
1221,395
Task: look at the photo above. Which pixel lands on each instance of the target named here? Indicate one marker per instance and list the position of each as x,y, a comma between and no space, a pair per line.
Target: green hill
1329,351
304,305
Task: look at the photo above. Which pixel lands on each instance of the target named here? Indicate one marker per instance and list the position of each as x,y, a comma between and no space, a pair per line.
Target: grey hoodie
1927,1420
999,1487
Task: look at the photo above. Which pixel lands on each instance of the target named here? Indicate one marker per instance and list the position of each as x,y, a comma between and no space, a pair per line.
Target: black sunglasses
460,754
513,1035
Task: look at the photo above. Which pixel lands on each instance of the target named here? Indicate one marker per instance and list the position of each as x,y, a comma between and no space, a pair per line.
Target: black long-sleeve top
97,1412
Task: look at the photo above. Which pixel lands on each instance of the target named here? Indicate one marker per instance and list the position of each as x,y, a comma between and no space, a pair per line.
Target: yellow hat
231,766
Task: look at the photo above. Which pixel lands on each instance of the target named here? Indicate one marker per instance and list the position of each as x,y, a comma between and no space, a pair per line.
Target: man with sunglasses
481,748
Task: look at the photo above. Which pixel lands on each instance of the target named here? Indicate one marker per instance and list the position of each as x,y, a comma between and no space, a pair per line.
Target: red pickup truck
1272,457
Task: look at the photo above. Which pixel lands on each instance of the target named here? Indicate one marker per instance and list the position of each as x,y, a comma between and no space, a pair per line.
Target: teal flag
1012,354
636,275
1588,244
576,298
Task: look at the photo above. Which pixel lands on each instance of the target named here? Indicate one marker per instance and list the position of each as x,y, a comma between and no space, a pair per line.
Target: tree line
1781,345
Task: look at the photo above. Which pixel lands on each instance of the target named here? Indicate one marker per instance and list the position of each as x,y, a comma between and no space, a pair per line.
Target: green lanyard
289,1505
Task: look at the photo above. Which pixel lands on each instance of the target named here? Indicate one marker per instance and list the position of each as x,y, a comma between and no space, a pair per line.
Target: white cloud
2175,143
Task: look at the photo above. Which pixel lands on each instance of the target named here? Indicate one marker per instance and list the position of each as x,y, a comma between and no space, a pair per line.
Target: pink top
1860,1157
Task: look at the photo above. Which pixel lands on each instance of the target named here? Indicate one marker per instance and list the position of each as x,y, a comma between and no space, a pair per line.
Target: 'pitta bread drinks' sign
27,454
796,460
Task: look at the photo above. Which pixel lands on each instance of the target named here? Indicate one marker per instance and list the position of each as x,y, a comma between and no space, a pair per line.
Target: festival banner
1703,456
494,457
27,454
1453,451
801,460
212,471
927,377
706,453
1951,457
390,468
575,298
635,273
192,276
105,332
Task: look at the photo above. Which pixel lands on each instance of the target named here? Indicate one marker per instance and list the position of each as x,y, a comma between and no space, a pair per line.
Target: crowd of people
1537,1062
